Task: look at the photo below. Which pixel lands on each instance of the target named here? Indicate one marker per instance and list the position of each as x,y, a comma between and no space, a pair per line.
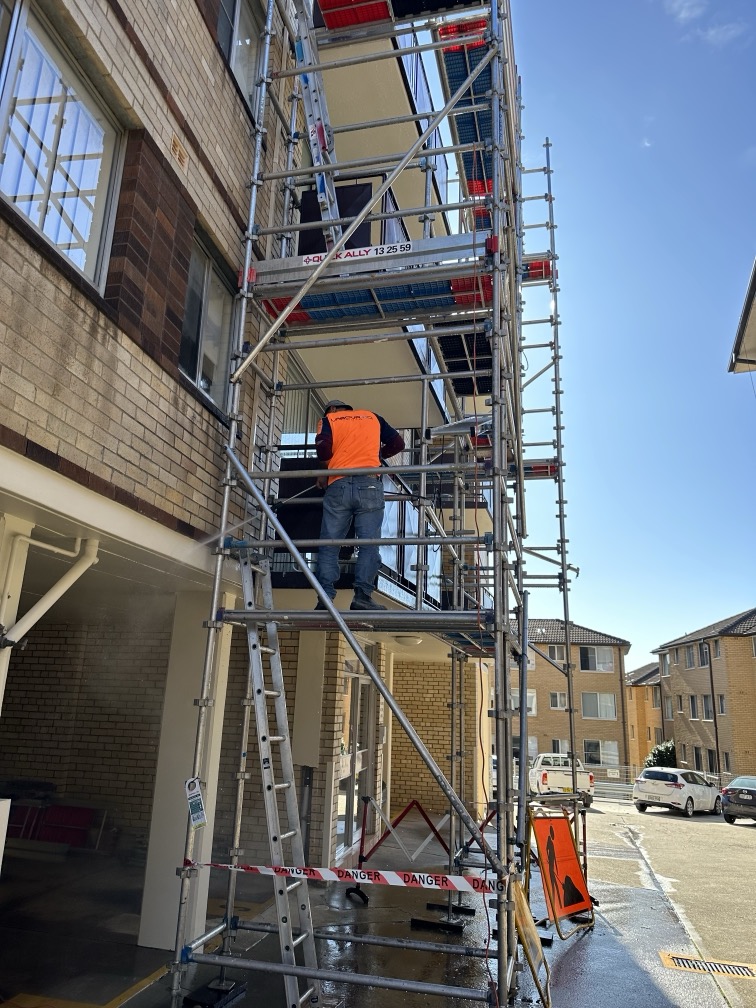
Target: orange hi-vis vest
356,440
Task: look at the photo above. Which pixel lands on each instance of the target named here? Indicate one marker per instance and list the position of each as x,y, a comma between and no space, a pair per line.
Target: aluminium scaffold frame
464,288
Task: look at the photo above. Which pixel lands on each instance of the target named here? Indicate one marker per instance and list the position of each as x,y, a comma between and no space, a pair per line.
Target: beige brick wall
82,710
423,691
642,721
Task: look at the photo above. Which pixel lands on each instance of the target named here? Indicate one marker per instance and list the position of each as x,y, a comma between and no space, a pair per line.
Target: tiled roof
646,675
742,625
551,631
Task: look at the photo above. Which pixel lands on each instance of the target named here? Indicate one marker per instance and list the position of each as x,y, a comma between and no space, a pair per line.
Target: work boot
321,606
363,601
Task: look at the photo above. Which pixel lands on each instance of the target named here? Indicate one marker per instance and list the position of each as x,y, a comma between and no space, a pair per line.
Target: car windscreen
743,782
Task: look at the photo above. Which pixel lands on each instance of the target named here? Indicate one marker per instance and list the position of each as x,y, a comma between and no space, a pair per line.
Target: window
721,704
753,646
708,711
693,708
599,705
57,146
690,656
557,653
683,753
676,656
703,654
531,700
680,705
711,760
239,29
632,731
658,736
596,659
558,701
726,761
206,331
599,753
664,664
715,648
697,760
668,712
648,734
656,697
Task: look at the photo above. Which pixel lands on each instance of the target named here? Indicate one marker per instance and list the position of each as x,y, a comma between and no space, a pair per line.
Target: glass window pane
192,325
57,150
215,340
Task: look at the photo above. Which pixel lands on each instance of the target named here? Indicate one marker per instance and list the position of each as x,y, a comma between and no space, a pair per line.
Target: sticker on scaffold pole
196,805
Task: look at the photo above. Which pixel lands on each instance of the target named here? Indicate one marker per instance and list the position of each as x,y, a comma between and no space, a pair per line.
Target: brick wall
422,690
82,710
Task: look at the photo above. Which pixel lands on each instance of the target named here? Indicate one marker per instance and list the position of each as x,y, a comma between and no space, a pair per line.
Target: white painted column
11,580
175,759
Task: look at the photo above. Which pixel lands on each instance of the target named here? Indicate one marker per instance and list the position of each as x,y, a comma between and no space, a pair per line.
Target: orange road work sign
563,882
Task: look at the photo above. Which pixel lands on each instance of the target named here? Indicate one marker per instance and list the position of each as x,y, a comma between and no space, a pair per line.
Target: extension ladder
266,694
319,132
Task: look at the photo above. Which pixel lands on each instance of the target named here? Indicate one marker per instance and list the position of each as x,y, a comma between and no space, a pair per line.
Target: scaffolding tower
446,279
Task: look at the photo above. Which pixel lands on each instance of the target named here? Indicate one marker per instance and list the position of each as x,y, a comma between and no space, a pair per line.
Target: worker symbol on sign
565,895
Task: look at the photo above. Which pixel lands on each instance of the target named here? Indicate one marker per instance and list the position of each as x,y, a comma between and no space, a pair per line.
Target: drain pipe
19,630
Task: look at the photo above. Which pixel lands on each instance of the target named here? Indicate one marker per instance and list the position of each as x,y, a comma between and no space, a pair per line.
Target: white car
680,790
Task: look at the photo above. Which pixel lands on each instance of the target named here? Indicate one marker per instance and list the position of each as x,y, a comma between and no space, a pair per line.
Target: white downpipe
88,559
19,540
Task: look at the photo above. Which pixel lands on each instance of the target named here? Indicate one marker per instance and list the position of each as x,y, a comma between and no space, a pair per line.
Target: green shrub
662,755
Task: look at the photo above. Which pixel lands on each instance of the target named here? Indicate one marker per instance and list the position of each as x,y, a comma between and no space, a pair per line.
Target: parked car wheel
717,810
688,810
640,806
730,819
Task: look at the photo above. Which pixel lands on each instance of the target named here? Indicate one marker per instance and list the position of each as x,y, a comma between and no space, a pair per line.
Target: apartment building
126,140
599,700
645,724
708,695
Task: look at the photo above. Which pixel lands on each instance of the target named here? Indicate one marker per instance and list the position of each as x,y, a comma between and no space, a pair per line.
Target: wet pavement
78,954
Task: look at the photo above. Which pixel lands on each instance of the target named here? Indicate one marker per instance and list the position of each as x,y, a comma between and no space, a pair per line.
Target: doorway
358,700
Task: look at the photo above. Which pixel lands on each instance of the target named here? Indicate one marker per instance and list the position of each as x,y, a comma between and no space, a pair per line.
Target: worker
353,439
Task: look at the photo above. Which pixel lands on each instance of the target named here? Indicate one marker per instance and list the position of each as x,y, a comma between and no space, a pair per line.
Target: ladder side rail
415,739
260,692
296,844
507,946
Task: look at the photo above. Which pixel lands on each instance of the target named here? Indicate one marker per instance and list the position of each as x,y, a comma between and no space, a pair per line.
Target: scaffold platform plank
471,621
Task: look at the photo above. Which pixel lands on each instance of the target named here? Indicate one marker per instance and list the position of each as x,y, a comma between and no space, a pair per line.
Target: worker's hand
321,482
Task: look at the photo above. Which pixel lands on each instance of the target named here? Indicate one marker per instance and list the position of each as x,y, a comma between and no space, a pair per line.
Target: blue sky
649,105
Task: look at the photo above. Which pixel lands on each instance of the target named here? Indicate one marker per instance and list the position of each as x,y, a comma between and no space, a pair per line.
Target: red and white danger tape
418,880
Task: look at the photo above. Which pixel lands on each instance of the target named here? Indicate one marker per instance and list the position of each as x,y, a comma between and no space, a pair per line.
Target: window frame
707,707
228,41
598,716
557,706
693,707
722,704
83,108
690,656
592,650
214,270
716,650
703,654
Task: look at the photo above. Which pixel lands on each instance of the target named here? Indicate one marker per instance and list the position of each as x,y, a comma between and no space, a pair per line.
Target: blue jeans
361,498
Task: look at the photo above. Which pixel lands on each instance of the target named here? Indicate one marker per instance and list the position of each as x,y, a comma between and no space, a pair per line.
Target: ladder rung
294,885
272,693
289,835
307,995
282,787
276,738
265,649
302,938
